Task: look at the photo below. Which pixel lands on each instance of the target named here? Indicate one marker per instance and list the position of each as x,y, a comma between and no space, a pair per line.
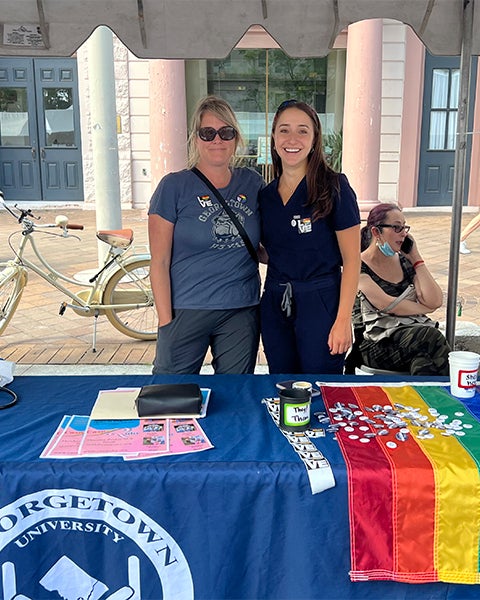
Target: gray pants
232,335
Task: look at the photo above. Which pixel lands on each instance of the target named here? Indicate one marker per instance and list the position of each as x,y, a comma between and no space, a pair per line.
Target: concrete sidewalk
38,339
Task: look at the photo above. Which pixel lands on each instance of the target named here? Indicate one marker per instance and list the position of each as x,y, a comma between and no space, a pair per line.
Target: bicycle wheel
131,286
12,284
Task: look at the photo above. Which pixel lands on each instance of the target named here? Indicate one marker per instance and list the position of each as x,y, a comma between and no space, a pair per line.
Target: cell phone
406,245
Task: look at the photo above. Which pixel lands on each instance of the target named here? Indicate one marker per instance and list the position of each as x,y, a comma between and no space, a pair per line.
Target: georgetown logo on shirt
224,233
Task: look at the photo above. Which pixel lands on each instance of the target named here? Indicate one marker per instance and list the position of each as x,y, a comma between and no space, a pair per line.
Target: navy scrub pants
298,343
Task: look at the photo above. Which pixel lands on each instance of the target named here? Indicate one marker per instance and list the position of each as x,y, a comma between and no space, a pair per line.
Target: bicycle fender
11,269
130,260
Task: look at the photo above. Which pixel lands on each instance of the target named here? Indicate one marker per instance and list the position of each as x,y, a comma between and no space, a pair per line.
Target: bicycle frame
120,288
90,303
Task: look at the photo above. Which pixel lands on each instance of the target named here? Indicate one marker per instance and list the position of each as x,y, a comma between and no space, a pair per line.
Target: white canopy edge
183,29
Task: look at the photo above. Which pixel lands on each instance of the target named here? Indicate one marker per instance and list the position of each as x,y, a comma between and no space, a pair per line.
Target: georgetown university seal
71,544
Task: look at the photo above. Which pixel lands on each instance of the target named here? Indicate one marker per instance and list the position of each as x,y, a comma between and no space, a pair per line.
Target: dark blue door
40,149
439,126
19,166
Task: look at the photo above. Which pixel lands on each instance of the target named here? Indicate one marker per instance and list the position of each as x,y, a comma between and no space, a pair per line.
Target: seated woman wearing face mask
396,292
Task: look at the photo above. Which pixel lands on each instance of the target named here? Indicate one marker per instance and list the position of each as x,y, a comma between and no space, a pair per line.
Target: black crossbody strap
230,213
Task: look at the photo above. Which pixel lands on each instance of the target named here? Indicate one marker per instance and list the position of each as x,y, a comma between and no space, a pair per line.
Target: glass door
59,129
40,151
19,168
439,129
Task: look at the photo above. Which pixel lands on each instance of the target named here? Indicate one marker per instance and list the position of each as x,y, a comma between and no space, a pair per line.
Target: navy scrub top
300,249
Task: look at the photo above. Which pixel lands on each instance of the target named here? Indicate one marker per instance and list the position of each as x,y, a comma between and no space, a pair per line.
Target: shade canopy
211,28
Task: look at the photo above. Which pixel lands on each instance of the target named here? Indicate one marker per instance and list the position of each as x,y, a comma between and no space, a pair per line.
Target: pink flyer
66,440
113,438
186,435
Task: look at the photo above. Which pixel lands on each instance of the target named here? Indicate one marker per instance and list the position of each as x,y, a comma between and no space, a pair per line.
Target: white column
168,118
104,132
362,116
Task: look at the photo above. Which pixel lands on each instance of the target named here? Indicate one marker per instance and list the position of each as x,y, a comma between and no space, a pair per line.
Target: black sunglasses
226,133
397,228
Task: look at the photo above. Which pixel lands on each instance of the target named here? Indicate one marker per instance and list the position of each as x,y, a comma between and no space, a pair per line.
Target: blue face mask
385,249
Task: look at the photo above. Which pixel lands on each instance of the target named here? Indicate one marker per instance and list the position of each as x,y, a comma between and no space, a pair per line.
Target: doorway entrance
40,149
439,126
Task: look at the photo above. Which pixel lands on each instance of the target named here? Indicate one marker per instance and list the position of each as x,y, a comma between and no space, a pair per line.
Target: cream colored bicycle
120,289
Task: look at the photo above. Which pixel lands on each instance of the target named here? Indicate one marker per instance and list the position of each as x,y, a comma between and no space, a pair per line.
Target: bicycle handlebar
23,214
61,221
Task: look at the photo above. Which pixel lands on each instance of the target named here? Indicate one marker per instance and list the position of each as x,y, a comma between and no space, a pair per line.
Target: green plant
332,146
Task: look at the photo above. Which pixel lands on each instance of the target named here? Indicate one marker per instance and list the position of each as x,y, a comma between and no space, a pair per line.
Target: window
14,125
256,81
58,115
444,109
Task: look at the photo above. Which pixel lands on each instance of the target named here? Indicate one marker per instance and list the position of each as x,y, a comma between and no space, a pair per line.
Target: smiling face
218,152
293,137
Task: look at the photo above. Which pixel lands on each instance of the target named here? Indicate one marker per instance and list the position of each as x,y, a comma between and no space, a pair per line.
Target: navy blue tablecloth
236,521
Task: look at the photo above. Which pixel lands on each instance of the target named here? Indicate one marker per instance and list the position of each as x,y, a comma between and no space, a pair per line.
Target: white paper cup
463,373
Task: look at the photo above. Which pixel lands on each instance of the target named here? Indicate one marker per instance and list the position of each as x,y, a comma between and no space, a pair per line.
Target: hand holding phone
406,245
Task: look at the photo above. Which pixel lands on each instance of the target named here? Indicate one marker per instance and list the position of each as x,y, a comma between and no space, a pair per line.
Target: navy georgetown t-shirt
211,268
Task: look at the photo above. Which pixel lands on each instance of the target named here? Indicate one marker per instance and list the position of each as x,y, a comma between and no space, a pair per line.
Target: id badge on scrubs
303,225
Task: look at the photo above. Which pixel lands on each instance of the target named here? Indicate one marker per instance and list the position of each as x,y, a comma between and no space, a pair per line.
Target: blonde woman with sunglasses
205,282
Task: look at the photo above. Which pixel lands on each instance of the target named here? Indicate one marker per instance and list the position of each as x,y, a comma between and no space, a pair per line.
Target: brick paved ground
38,335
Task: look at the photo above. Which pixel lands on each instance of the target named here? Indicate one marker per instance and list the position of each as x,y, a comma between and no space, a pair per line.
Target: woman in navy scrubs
311,232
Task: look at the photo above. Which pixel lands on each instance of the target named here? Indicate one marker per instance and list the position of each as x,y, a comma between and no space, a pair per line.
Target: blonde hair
223,111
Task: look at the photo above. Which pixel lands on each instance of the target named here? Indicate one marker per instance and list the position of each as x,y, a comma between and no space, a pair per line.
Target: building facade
388,111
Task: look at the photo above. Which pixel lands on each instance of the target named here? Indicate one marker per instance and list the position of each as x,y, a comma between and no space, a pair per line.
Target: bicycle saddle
117,238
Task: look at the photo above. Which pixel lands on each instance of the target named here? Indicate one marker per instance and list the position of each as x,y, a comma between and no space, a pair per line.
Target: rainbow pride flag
412,456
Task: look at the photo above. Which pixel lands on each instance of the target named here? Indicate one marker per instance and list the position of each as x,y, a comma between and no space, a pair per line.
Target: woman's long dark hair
375,218
322,181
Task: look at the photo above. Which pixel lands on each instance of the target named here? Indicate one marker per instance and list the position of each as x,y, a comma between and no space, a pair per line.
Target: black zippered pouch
169,399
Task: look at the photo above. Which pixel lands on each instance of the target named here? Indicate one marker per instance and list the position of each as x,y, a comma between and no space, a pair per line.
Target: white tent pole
104,133
459,169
